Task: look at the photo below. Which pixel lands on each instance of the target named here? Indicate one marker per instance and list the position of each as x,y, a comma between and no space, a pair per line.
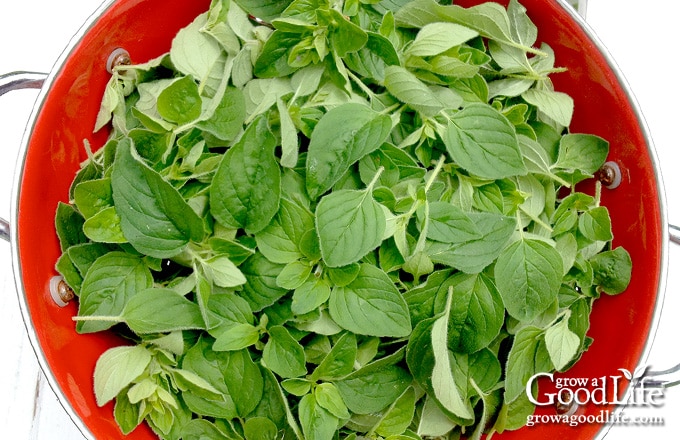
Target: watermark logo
604,390
604,417
574,392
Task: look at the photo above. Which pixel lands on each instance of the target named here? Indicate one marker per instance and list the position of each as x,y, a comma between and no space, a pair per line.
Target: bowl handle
671,376
663,379
674,233
17,81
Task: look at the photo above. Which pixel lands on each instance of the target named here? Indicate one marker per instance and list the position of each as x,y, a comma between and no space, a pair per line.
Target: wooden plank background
642,36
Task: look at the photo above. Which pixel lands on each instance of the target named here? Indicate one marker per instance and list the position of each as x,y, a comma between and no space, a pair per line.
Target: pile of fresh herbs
346,219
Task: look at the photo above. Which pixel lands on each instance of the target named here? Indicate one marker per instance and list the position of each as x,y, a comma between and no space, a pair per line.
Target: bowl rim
106,5
662,197
57,67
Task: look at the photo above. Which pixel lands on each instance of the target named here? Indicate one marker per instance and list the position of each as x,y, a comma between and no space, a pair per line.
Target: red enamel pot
622,326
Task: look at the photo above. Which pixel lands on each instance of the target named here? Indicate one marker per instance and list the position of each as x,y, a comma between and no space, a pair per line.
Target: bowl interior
64,118
66,115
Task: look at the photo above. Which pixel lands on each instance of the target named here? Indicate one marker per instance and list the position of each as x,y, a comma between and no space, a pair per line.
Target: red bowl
65,113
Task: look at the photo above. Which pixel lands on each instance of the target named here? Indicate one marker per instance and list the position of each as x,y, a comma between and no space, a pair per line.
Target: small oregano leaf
117,368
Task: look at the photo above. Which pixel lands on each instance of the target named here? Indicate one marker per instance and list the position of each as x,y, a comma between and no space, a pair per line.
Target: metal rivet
61,293
119,57
609,175
568,408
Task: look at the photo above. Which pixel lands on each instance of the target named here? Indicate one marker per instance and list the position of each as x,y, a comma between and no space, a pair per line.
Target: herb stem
92,157
100,318
519,224
420,246
536,76
435,172
418,203
560,180
531,50
438,126
598,192
565,314
373,181
361,85
537,220
392,107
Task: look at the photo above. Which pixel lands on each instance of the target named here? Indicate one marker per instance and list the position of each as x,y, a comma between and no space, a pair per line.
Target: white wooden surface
642,36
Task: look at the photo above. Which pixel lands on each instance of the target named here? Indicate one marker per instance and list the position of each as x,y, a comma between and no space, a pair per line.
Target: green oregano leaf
109,284
374,387
154,217
284,355
117,368
260,428
583,152
528,276
329,398
370,305
339,361
557,105
247,185
158,310
69,226
562,344
180,102
527,357
435,38
399,415
316,421
343,136
446,390
477,313
484,142
198,63
612,270
91,196
350,224
411,90
595,224
227,120
104,227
